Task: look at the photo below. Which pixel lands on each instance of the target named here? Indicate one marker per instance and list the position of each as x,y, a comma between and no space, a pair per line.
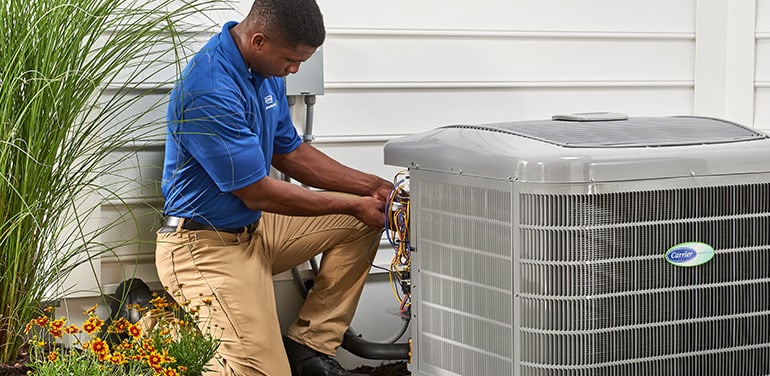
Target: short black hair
297,22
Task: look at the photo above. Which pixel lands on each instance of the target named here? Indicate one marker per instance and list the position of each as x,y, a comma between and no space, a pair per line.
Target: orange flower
125,345
92,325
147,345
118,358
49,309
160,302
28,327
119,326
53,356
134,330
42,321
100,347
154,360
89,327
55,333
207,300
59,323
72,329
91,310
169,372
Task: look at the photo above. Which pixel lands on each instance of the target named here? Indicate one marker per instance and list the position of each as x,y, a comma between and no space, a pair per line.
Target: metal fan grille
463,278
598,297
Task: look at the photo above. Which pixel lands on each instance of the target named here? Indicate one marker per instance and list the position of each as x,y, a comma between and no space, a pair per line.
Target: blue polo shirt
223,125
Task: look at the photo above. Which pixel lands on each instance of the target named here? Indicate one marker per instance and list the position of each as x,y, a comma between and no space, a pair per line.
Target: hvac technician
229,226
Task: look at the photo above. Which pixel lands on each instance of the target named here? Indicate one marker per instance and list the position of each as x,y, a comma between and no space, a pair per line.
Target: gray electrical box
310,78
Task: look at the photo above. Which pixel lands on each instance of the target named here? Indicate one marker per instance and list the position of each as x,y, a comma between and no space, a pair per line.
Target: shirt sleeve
215,132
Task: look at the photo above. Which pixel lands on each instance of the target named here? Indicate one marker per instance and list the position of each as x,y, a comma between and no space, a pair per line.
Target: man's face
276,59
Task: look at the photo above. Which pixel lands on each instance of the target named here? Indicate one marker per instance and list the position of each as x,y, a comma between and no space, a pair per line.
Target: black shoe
305,361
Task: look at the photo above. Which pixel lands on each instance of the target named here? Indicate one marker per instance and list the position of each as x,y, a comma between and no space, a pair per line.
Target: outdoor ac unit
590,245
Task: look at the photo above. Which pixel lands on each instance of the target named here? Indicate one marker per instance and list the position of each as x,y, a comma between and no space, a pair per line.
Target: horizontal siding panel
138,173
365,156
478,58
133,235
553,15
382,112
144,114
762,108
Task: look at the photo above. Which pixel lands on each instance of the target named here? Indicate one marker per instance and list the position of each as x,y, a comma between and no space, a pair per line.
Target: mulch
17,368
389,369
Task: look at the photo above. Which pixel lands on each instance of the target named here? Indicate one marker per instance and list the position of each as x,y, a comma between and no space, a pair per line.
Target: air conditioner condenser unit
590,245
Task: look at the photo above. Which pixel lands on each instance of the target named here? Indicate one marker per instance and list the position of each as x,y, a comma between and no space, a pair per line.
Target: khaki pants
235,271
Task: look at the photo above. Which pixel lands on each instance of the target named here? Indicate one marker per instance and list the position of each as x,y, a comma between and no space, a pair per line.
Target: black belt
170,224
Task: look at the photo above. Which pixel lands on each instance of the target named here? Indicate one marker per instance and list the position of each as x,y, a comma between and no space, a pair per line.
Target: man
229,226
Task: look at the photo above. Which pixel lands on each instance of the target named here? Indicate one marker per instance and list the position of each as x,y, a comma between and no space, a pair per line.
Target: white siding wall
397,67
762,70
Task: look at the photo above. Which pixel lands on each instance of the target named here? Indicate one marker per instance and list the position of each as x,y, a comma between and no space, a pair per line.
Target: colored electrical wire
397,233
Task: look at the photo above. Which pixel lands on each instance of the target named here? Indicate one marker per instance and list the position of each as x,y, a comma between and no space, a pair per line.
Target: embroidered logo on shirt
269,102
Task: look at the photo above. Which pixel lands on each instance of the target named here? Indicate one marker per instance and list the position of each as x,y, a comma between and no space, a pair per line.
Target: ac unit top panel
628,132
587,150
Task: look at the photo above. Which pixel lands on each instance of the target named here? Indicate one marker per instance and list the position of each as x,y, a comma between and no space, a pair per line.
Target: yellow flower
160,302
42,321
126,345
55,332
72,329
89,327
91,310
169,372
119,326
53,356
134,330
154,360
118,358
92,325
59,323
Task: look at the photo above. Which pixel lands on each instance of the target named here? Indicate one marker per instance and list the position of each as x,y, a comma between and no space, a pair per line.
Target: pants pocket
227,312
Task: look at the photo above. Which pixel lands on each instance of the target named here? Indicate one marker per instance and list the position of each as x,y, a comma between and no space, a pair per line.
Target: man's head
277,35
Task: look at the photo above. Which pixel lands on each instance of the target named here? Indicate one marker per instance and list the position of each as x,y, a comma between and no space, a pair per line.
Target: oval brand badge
690,254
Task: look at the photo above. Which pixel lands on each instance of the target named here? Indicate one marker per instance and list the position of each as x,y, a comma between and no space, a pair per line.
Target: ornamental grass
75,79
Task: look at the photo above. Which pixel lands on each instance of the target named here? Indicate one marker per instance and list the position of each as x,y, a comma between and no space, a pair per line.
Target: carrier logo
690,254
269,102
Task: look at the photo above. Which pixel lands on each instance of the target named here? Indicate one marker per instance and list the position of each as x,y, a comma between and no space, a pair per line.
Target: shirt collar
234,55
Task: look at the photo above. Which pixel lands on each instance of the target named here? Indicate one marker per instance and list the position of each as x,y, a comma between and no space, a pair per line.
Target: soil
16,368
389,369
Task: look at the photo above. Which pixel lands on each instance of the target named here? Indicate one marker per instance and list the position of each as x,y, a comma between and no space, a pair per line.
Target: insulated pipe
370,350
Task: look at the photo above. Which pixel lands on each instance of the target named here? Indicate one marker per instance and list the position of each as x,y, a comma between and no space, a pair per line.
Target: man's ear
257,40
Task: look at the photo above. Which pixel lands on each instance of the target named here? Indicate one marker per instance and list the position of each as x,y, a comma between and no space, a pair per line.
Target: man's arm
277,196
314,168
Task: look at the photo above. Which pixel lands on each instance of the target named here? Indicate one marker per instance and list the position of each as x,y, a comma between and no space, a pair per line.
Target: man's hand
370,211
382,190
